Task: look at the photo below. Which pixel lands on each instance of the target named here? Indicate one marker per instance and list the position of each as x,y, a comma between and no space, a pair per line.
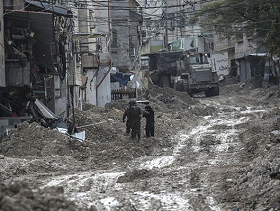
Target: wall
244,69
104,90
60,97
223,43
2,50
220,63
144,75
17,75
91,87
244,47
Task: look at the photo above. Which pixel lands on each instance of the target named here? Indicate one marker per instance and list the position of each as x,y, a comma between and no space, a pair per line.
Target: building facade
37,39
2,50
126,43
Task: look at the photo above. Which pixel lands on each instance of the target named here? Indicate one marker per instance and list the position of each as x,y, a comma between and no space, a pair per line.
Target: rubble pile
35,140
46,151
38,151
253,188
17,195
232,85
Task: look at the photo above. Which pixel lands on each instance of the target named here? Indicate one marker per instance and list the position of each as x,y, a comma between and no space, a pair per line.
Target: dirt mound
254,189
229,80
135,174
18,196
42,152
35,140
232,86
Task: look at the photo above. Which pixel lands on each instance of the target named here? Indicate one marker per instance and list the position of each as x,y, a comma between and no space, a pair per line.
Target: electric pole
164,16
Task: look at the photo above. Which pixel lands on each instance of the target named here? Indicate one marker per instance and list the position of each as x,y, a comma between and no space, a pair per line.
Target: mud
207,154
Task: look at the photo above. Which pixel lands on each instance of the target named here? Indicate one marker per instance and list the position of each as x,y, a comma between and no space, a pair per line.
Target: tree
231,17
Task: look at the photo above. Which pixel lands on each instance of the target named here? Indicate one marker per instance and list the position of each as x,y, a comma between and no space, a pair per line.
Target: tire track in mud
188,179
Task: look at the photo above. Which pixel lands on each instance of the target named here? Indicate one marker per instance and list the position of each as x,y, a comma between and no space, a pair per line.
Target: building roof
54,8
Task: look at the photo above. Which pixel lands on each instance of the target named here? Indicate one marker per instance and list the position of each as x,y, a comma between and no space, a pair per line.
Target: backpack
133,111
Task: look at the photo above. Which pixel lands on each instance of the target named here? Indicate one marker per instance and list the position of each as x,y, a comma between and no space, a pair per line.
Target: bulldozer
186,71
194,74
199,78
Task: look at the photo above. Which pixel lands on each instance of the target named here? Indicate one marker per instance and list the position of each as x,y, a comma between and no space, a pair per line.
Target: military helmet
133,102
148,107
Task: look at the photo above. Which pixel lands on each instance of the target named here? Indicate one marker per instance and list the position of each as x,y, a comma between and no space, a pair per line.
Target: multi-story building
126,21
37,40
2,49
153,29
92,66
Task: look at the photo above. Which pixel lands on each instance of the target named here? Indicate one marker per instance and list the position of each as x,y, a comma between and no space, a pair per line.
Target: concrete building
37,36
2,49
107,40
153,29
126,21
93,64
239,55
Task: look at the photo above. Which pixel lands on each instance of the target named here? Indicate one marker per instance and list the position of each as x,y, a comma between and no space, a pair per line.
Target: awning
122,78
258,54
88,35
54,8
41,24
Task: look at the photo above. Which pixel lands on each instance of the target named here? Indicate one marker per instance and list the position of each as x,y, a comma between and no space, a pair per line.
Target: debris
275,175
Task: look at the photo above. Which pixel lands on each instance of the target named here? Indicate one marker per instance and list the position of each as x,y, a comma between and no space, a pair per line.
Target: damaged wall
104,90
2,50
91,86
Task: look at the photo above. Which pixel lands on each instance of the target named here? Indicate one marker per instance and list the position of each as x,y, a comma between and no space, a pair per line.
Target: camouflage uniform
126,115
135,121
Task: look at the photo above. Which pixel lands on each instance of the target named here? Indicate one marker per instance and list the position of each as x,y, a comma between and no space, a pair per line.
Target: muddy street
212,154
204,159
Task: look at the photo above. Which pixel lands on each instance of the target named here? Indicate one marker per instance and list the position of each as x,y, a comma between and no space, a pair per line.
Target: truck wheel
186,86
212,92
216,92
208,93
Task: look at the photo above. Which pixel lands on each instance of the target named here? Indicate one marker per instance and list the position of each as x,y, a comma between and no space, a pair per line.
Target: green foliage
272,38
231,17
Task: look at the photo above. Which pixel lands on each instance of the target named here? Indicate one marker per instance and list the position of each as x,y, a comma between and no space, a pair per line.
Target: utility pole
164,16
73,72
181,21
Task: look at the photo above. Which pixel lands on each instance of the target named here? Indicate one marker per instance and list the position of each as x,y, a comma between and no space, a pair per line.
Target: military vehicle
198,78
185,71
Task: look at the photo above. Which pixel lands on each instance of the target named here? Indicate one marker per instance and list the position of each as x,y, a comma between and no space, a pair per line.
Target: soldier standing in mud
135,120
126,115
150,121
